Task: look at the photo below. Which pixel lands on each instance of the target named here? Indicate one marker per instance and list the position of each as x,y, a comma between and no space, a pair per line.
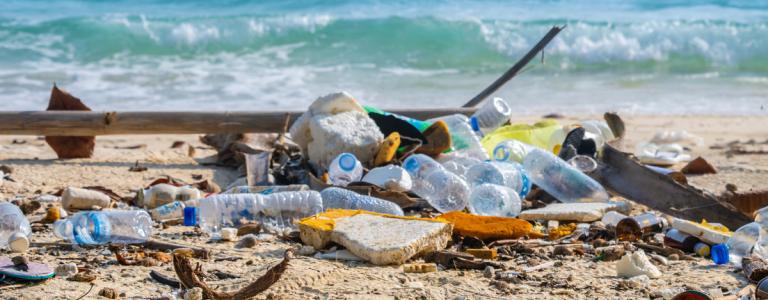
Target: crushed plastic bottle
612,218
492,114
443,190
553,175
742,242
464,140
161,194
344,169
108,226
457,164
171,211
276,212
14,228
494,200
509,174
346,199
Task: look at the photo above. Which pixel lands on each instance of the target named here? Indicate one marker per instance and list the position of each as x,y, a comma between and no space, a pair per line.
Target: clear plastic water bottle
344,169
276,211
552,174
492,114
108,226
494,200
742,242
443,190
14,228
346,199
509,174
457,164
612,218
171,211
463,139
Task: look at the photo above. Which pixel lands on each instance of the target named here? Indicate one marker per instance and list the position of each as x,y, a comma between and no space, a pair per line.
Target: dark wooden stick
512,72
88,123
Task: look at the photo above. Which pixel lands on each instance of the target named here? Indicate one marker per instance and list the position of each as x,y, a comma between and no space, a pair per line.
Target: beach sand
36,171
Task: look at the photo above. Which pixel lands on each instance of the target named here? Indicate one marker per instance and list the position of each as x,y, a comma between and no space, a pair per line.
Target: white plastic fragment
229,234
390,177
351,131
635,264
77,198
705,234
338,255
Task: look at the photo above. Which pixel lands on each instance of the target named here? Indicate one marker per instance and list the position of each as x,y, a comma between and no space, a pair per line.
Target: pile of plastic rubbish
449,192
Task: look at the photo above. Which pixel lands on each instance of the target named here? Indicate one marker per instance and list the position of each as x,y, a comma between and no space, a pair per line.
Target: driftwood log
90,123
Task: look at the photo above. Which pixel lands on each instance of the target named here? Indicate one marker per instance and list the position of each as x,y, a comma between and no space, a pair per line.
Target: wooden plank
91,123
624,176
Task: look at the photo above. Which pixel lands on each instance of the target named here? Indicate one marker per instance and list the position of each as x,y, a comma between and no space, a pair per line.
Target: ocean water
635,57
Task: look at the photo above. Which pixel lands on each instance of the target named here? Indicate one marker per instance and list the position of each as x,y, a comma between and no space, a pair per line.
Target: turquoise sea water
637,57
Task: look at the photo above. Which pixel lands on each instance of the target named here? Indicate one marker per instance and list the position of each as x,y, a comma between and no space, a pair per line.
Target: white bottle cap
18,242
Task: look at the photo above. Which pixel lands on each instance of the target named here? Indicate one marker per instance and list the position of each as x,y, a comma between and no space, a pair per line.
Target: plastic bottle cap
719,254
501,106
475,124
190,216
411,165
18,242
347,162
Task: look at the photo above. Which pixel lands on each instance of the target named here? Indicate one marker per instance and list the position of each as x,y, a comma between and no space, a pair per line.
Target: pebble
194,294
66,270
247,241
306,250
109,293
229,234
489,272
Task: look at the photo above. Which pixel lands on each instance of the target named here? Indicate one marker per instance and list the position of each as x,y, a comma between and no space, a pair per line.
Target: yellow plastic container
546,134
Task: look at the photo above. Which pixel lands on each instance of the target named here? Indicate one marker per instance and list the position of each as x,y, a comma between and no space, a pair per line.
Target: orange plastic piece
562,231
487,228
438,139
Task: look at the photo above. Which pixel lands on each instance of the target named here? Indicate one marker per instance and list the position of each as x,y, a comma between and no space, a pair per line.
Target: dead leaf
699,166
69,146
177,144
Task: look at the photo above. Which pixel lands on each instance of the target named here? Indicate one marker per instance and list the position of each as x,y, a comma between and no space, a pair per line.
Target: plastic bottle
612,218
686,242
170,211
742,242
276,211
346,199
492,114
344,169
509,174
108,226
584,163
494,200
598,131
14,228
457,164
443,190
463,139
554,175
637,227
162,194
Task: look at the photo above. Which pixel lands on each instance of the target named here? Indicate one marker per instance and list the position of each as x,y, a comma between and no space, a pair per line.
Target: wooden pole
512,72
91,123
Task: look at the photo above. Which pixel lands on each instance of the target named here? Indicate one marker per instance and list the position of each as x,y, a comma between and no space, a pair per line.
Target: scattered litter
579,212
338,255
390,177
483,253
229,234
82,199
66,270
487,227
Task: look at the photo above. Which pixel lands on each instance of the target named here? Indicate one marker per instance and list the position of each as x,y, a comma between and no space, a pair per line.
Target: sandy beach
36,172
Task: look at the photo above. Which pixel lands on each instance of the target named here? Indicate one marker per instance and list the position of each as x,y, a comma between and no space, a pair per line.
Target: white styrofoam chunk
385,241
351,131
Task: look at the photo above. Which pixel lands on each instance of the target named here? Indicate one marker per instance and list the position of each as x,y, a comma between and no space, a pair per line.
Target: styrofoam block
351,131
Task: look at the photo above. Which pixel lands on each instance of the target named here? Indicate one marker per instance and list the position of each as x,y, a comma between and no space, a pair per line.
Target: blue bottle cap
475,124
347,161
719,254
190,216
